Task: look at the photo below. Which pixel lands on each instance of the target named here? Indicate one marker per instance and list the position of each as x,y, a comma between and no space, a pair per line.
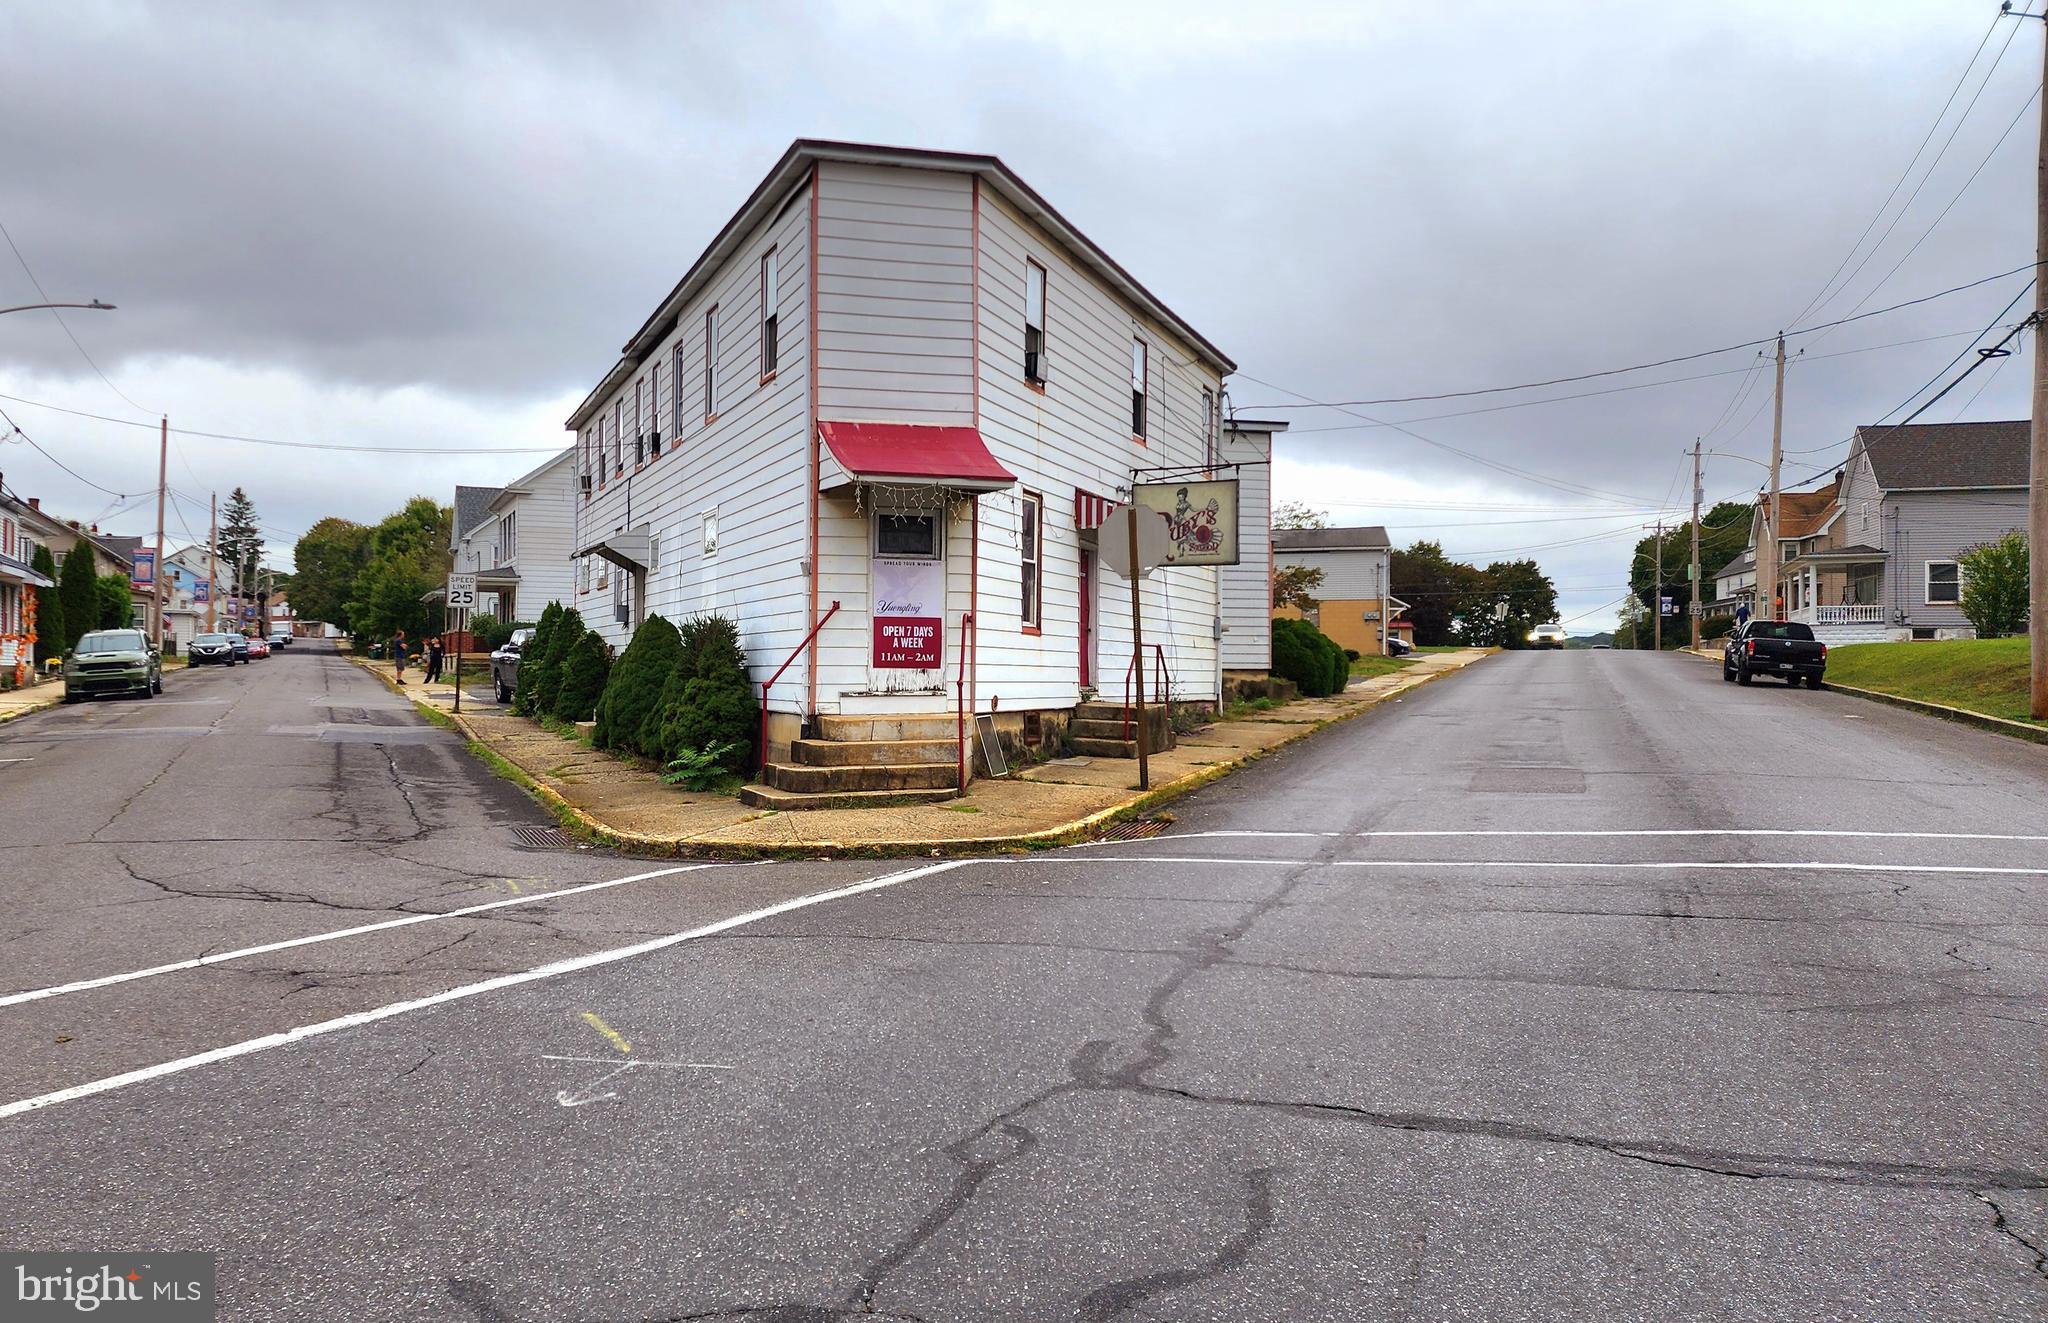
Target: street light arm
94,306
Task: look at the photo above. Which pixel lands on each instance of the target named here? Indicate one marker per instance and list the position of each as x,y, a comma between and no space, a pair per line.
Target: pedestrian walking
1741,614
398,655
433,659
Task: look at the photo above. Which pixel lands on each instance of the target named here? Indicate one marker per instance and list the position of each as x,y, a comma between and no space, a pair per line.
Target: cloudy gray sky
434,225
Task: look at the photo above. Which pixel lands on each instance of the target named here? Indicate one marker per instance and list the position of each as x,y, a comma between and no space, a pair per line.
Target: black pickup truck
1783,648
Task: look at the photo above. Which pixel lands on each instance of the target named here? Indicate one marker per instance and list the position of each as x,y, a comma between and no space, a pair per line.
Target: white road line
108,980
1670,865
499,983
1591,833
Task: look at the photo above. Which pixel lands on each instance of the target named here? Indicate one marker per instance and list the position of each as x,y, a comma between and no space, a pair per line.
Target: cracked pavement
1223,1073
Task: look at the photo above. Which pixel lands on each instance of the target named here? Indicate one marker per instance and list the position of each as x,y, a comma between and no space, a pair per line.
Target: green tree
584,670
1995,585
1724,532
634,687
1295,586
78,592
240,544
1433,585
51,638
328,559
116,602
547,685
523,701
1531,600
707,701
408,557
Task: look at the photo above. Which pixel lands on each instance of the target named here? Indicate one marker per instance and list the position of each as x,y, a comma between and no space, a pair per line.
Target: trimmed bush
524,697
1304,654
548,684
51,638
636,685
707,704
584,671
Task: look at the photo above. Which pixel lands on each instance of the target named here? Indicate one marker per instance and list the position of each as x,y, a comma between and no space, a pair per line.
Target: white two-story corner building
517,539
878,422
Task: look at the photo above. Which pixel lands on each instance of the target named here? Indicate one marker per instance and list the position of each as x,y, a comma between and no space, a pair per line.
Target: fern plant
701,769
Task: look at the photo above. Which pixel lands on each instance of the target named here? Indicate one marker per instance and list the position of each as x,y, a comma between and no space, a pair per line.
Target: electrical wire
61,464
294,445
58,314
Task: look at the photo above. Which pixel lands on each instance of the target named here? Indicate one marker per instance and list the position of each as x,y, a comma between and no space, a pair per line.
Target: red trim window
1031,558
770,302
1209,456
618,442
639,437
1034,323
675,386
590,475
1140,362
711,363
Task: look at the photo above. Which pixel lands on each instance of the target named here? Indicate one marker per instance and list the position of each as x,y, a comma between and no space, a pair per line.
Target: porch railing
762,768
1859,613
1162,683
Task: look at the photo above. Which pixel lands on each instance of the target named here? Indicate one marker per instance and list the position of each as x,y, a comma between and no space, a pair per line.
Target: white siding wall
544,533
748,465
1077,433
1940,526
1248,585
1348,576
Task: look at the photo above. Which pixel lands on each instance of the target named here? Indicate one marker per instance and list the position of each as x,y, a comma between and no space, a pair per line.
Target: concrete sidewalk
20,702
624,803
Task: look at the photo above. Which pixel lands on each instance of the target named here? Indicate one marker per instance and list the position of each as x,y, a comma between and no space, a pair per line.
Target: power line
1637,367
66,325
294,445
62,465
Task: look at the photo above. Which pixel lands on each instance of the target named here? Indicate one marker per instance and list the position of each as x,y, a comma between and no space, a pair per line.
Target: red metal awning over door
916,454
1090,510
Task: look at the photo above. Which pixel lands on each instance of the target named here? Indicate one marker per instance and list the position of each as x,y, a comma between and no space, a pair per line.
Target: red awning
1090,510
915,454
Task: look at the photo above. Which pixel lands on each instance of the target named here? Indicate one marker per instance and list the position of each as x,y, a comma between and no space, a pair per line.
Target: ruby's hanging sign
909,614
1201,519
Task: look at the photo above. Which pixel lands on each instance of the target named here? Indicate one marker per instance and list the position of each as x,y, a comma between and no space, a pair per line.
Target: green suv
112,661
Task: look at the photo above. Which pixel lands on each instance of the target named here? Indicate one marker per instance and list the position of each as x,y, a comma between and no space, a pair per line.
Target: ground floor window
1944,582
1031,524
906,535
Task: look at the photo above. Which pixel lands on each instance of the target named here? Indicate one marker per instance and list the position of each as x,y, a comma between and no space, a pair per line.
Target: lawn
1365,668
1980,675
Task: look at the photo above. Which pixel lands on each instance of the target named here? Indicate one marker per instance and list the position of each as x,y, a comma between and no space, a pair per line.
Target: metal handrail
761,765
1163,688
960,705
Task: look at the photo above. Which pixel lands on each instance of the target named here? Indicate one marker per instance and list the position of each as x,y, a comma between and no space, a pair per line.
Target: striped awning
1090,510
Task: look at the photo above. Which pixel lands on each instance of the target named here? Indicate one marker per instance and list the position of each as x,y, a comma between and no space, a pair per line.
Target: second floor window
675,388
1138,372
508,537
1208,427
711,364
769,301
1034,323
639,439
618,441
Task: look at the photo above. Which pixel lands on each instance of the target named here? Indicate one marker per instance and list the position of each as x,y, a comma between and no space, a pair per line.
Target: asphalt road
1574,985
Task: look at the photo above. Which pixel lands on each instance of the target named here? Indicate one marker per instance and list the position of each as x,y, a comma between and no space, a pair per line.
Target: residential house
1248,585
516,539
1353,604
20,586
879,422
1875,554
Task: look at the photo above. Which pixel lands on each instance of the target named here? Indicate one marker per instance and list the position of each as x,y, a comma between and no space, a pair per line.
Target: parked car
280,638
1547,636
505,664
1397,647
112,661
211,649
241,645
1784,648
258,649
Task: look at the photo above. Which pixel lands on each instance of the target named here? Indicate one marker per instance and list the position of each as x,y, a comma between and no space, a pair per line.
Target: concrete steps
769,797
1099,748
861,776
864,762
848,753
1098,730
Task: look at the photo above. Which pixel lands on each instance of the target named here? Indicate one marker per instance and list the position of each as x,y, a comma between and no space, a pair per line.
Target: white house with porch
878,422
516,540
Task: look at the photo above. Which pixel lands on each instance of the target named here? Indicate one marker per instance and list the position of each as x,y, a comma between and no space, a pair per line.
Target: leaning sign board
1201,519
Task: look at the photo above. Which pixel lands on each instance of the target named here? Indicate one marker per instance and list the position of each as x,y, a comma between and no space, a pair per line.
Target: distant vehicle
505,664
1599,646
1547,636
1783,648
241,646
209,649
280,638
1397,647
258,649
112,661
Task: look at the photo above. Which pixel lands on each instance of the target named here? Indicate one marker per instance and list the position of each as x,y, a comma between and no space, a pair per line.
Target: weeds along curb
1962,716
592,830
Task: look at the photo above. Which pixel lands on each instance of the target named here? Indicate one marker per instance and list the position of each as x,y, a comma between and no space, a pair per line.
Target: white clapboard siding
748,464
1248,585
544,523
1348,576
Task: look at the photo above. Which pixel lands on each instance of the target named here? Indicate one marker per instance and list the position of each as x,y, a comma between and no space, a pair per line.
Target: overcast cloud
413,225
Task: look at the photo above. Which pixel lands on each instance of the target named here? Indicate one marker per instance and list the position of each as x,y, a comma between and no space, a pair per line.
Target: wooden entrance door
1087,617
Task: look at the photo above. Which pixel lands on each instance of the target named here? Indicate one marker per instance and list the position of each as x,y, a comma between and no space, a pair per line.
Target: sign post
461,597
1138,662
1134,541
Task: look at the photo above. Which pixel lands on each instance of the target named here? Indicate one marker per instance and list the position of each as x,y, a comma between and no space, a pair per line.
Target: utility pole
2037,490
156,573
1767,546
1657,596
1692,603
212,558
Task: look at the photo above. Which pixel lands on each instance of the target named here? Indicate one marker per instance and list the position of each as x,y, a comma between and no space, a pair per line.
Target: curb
595,831
1963,716
43,705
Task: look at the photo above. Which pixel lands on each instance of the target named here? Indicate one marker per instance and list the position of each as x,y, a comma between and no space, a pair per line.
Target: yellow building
1353,604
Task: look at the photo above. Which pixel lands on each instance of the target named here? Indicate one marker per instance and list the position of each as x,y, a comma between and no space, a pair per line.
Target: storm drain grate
1137,829
542,838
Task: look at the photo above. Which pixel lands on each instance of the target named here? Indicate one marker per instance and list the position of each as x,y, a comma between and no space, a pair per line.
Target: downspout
811,447
973,635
